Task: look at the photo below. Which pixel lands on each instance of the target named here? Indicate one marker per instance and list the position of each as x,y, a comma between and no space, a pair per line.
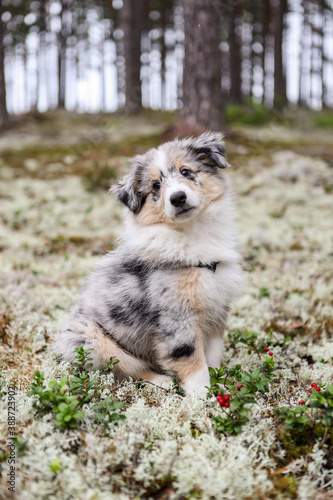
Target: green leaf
255,374
62,407
302,419
55,466
63,382
78,414
234,404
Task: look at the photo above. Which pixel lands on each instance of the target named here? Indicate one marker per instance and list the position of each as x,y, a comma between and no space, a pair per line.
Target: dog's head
176,181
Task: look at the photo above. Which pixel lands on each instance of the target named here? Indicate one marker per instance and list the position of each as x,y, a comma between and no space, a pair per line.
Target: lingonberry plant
82,360
2,384
296,420
67,397
322,401
267,367
299,427
107,411
235,414
236,389
256,344
235,403
47,399
222,376
109,365
67,414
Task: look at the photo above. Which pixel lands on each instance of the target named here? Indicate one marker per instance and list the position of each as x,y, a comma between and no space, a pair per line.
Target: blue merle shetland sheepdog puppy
159,302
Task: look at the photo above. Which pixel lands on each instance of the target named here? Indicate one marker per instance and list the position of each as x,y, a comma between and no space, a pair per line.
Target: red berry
313,384
239,387
226,404
226,397
318,389
311,389
301,402
270,353
266,349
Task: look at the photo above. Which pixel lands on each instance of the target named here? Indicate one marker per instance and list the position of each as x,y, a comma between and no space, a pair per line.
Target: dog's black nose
178,199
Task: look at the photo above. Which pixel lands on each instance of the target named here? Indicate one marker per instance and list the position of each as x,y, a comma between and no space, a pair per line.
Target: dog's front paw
197,383
161,380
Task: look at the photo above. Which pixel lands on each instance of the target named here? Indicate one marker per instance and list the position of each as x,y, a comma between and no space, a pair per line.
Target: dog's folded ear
127,191
209,149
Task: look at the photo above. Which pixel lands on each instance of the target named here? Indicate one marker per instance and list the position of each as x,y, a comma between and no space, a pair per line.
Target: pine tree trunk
300,62
265,45
202,93
4,119
131,22
235,61
102,74
280,91
163,58
311,56
42,64
305,54
323,58
62,56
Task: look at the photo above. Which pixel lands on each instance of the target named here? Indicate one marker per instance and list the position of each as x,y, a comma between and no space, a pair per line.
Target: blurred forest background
189,55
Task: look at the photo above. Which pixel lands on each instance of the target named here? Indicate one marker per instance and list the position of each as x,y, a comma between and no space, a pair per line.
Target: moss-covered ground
56,220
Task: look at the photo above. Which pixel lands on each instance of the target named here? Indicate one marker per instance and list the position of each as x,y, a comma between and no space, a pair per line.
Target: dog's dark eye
185,172
156,186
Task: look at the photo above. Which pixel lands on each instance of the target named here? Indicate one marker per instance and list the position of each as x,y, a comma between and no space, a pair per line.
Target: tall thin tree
4,119
202,94
235,58
280,88
63,35
266,22
131,23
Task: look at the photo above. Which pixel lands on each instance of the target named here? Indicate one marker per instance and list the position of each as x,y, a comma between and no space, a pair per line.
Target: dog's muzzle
178,199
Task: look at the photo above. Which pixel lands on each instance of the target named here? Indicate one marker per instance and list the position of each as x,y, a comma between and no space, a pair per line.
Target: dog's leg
155,378
88,335
214,351
189,364
84,333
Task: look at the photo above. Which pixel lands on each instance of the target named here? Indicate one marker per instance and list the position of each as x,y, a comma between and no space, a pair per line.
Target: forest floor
56,220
